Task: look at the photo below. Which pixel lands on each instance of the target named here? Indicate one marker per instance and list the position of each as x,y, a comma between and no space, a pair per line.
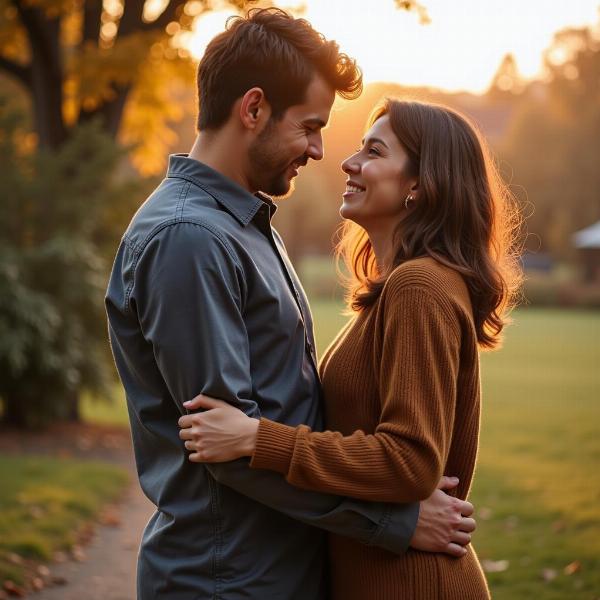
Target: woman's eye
374,151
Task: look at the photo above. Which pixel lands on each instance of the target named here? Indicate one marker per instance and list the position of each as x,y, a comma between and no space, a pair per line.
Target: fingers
455,550
468,525
186,421
186,434
466,508
202,401
447,483
462,538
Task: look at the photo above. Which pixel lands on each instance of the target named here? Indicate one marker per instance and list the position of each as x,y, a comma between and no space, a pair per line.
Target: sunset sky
459,50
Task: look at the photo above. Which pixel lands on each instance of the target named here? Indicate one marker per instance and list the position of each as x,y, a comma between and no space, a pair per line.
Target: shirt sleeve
189,297
404,458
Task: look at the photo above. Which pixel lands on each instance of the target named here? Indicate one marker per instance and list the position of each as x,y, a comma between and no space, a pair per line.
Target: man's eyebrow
314,122
374,140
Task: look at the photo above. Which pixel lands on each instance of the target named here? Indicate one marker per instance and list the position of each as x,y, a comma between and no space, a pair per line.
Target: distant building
587,242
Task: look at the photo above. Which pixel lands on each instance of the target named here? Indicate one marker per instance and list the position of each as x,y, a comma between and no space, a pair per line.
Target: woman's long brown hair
463,216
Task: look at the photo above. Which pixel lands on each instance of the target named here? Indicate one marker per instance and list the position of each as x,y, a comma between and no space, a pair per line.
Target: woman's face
377,183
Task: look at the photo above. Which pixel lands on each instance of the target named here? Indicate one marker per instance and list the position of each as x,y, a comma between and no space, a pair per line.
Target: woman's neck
381,239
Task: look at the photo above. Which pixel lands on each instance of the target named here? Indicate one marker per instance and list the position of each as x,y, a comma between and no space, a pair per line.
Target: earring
408,199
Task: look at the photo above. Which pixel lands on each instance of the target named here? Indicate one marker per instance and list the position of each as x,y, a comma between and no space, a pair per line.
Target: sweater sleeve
404,458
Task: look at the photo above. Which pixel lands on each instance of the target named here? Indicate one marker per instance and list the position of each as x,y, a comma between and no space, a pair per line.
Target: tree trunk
46,75
72,406
15,412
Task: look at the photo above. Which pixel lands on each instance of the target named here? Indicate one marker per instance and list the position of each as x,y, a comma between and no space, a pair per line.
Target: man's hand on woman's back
445,523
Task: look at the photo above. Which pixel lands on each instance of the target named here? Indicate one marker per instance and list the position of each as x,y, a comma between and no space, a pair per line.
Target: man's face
285,145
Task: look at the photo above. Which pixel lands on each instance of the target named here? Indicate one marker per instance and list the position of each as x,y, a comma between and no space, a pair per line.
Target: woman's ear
254,109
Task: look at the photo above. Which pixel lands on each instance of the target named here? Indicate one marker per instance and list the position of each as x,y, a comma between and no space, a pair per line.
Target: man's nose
315,149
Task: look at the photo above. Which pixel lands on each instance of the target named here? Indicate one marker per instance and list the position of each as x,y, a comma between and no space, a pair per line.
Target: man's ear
254,109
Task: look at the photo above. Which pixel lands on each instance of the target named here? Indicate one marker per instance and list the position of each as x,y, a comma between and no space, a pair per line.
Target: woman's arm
403,460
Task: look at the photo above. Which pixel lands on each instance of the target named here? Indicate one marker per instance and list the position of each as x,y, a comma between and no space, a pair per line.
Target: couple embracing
276,477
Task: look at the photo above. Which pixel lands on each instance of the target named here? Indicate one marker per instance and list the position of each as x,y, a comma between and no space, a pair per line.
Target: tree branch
21,72
131,19
30,18
92,13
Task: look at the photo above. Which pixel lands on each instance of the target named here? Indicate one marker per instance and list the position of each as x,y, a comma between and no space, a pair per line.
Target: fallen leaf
110,517
495,566
43,571
13,589
36,512
548,574
484,513
38,583
572,567
77,553
558,526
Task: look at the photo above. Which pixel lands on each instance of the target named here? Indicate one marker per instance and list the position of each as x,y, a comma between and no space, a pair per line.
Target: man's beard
269,170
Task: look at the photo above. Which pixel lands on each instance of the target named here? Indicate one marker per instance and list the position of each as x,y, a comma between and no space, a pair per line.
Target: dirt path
108,565
105,568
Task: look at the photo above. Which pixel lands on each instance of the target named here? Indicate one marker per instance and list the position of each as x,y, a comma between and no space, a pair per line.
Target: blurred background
94,95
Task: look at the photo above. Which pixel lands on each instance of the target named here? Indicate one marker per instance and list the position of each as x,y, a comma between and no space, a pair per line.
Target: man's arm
189,295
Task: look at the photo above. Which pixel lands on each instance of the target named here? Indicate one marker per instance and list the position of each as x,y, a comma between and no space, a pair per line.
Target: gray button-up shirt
203,298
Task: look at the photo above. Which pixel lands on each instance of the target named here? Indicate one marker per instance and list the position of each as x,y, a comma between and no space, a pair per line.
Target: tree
507,79
97,76
554,142
80,60
52,273
77,60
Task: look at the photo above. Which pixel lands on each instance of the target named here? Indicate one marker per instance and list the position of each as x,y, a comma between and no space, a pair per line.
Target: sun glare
460,49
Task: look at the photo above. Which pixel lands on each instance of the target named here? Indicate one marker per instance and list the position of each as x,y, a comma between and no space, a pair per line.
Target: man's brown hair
269,49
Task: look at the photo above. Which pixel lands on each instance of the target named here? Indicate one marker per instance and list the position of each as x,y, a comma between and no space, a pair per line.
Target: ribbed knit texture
402,401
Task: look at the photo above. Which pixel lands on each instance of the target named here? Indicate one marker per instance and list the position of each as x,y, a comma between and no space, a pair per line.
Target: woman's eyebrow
374,140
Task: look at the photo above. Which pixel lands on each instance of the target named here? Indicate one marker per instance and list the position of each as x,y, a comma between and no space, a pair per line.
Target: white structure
588,237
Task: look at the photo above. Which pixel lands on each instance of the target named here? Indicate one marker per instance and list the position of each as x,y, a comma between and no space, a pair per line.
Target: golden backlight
459,49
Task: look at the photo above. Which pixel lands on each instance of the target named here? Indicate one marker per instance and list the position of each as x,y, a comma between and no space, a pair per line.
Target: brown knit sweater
401,385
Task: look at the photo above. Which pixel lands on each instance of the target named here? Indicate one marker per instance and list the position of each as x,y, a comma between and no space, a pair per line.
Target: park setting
95,96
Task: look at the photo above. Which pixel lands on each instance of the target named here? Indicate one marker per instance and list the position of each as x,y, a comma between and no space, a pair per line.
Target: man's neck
219,152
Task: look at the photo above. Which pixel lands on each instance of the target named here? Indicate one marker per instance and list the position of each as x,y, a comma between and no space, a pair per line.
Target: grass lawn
44,502
537,486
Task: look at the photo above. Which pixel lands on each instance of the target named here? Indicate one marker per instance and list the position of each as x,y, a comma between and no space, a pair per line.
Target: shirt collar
233,197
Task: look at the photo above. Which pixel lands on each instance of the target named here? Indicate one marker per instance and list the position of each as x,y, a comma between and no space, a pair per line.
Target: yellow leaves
414,6
13,42
161,97
94,70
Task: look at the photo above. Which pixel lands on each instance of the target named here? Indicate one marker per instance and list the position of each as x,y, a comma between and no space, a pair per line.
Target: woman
428,241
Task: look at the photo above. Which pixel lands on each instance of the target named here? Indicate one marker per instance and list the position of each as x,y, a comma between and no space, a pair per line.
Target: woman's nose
351,165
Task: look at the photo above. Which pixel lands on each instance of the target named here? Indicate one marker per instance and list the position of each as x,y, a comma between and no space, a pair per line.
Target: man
203,299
